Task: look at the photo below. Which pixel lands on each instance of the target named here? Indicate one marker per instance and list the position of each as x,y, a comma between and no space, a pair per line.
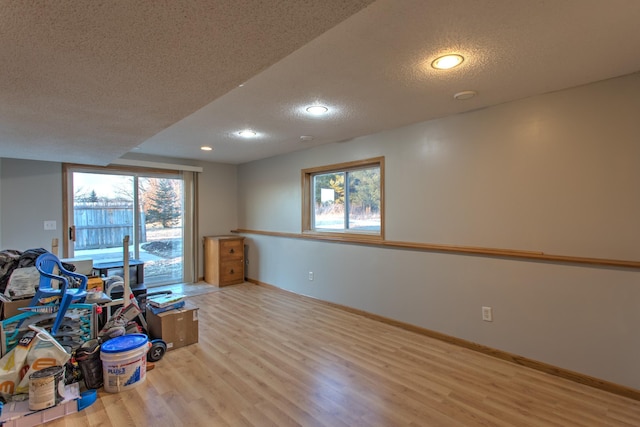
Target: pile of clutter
45,374
12,260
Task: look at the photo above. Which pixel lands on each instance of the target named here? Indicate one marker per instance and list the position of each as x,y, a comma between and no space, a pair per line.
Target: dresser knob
231,251
231,272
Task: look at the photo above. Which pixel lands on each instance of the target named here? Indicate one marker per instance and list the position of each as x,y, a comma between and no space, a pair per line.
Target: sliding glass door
104,206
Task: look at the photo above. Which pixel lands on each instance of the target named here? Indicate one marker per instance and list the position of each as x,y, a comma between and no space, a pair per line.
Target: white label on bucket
122,371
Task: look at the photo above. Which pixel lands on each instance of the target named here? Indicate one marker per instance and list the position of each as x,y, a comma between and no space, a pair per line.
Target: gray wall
217,203
556,173
31,192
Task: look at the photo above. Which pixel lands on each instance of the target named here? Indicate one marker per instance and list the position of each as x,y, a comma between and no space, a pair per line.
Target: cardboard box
95,282
10,308
177,328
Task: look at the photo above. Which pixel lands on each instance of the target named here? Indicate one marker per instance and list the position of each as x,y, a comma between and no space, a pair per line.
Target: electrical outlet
49,225
487,314
311,275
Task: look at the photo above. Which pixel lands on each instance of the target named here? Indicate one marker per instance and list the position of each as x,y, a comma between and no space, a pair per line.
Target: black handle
231,272
231,251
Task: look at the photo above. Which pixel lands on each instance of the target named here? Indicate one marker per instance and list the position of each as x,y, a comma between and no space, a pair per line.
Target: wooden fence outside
104,224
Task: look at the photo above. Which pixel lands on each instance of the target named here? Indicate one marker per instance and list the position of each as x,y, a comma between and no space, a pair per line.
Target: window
105,204
345,199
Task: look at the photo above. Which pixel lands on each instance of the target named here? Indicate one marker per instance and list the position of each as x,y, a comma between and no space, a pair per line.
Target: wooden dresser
223,260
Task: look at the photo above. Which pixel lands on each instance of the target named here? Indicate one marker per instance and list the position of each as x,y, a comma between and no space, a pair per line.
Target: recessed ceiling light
306,138
247,133
206,148
317,110
465,94
447,62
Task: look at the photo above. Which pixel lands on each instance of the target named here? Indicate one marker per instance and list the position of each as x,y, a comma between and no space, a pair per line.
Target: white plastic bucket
124,362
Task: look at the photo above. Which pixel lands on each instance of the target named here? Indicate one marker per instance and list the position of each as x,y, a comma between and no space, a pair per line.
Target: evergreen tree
164,204
364,189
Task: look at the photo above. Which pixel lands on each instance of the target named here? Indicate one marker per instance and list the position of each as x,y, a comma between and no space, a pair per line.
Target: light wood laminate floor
269,358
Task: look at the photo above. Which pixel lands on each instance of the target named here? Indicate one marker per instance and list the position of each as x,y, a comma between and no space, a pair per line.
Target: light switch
49,225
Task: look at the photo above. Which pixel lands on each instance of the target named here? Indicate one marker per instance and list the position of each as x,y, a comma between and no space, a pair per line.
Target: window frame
308,199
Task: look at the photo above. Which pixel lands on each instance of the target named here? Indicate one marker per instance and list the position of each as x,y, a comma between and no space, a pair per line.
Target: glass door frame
135,172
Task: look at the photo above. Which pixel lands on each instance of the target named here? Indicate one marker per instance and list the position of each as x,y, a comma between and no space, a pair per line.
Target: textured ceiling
88,82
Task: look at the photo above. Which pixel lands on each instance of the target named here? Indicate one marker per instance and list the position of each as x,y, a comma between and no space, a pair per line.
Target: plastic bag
44,352
13,363
36,350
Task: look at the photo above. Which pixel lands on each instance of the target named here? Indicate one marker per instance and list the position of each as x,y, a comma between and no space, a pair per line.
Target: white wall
556,173
217,200
31,192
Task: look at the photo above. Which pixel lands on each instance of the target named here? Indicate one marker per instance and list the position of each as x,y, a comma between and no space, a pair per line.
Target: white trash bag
35,351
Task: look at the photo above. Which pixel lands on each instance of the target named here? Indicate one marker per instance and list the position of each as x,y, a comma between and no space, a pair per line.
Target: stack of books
165,302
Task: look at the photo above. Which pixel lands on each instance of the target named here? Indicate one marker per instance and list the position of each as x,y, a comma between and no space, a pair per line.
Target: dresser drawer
231,249
231,272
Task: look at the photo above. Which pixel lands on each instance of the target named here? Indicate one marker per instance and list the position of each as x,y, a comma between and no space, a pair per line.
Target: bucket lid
124,343
47,372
